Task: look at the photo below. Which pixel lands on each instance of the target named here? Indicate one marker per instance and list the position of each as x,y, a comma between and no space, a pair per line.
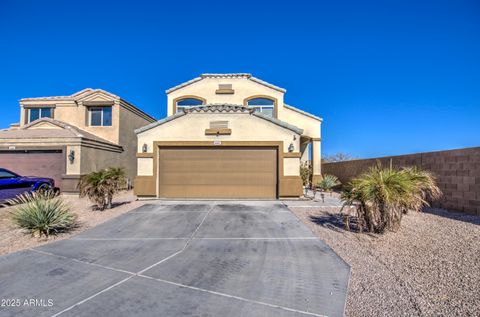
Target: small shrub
101,186
42,213
306,173
328,182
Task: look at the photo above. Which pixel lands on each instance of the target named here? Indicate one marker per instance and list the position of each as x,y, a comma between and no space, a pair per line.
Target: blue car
12,184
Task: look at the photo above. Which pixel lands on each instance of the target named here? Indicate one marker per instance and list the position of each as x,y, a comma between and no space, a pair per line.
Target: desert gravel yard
430,267
14,239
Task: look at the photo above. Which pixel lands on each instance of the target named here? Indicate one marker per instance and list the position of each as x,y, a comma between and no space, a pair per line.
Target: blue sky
388,77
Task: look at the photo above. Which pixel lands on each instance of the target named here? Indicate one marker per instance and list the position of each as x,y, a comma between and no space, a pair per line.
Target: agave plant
42,213
328,182
382,195
101,186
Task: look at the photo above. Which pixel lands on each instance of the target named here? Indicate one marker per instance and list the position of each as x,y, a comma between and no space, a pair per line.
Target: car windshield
6,174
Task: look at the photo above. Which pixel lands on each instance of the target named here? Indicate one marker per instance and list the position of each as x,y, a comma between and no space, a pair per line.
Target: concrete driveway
169,259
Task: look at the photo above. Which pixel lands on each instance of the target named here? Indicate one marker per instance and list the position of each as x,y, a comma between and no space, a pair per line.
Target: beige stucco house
227,136
64,137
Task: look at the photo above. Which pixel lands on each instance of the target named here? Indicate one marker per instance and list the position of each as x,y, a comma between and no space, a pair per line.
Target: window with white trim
187,103
100,116
37,113
263,105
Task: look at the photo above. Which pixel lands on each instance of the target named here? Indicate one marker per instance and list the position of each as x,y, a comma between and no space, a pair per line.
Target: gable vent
218,124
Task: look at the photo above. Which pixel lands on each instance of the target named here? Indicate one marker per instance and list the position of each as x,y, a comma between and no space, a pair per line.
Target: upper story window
37,113
188,102
100,116
263,105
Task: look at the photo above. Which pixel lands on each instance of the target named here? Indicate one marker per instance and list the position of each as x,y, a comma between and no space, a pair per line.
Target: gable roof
231,108
227,75
66,131
302,112
84,93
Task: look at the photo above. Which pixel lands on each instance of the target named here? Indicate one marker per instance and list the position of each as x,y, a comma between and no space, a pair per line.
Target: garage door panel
218,173
217,191
234,178
42,163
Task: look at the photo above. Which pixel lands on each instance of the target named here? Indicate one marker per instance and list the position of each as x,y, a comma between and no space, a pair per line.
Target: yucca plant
42,213
382,195
328,182
101,186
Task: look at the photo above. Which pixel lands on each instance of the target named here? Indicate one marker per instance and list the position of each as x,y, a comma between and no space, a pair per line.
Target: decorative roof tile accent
221,108
67,131
302,112
227,75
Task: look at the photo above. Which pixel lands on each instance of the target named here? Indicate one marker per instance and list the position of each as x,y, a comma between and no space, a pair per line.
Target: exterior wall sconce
291,147
71,156
144,148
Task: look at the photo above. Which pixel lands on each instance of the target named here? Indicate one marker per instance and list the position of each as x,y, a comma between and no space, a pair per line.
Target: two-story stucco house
64,137
227,136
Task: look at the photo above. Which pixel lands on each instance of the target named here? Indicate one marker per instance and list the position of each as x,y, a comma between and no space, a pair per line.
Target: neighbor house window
187,103
263,105
100,116
37,113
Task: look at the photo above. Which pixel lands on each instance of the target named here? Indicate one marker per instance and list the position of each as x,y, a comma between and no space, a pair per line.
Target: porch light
144,148
291,147
71,156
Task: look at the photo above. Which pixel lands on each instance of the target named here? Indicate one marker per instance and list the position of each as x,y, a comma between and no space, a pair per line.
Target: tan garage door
218,172
42,163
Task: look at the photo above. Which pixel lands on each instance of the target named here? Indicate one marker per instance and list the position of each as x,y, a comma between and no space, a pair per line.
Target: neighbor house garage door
218,172
43,163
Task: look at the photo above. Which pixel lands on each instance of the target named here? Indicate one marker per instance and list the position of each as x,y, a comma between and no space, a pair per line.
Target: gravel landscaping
14,239
430,267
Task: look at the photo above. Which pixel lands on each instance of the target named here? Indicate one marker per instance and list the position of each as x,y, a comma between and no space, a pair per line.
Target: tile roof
73,96
67,131
222,108
227,75
219,107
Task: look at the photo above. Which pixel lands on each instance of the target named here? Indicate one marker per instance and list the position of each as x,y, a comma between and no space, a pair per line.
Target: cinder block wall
457,172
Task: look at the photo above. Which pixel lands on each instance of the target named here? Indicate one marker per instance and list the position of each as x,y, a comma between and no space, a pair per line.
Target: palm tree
382,195
100,186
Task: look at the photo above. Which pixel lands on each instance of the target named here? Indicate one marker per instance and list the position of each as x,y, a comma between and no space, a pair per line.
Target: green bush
328,182
101,186
42,213
382,195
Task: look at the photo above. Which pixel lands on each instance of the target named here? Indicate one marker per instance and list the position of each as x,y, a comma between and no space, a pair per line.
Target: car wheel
44,188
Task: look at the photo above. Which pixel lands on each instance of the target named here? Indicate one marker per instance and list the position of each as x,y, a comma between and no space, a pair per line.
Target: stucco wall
129,121
245,127
243,87
457,172
77,115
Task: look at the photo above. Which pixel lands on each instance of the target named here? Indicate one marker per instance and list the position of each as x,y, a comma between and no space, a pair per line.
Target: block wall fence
457,173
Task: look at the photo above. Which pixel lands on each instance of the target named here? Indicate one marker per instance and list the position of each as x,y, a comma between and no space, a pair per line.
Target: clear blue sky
388,77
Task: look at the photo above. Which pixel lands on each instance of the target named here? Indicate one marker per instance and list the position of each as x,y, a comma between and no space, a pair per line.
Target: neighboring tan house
64,137
227,136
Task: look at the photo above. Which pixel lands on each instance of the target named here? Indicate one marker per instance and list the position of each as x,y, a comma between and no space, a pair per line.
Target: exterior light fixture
291,147
71,156
144,148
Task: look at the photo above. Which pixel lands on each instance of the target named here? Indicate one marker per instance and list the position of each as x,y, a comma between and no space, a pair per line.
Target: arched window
263,105
188,102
